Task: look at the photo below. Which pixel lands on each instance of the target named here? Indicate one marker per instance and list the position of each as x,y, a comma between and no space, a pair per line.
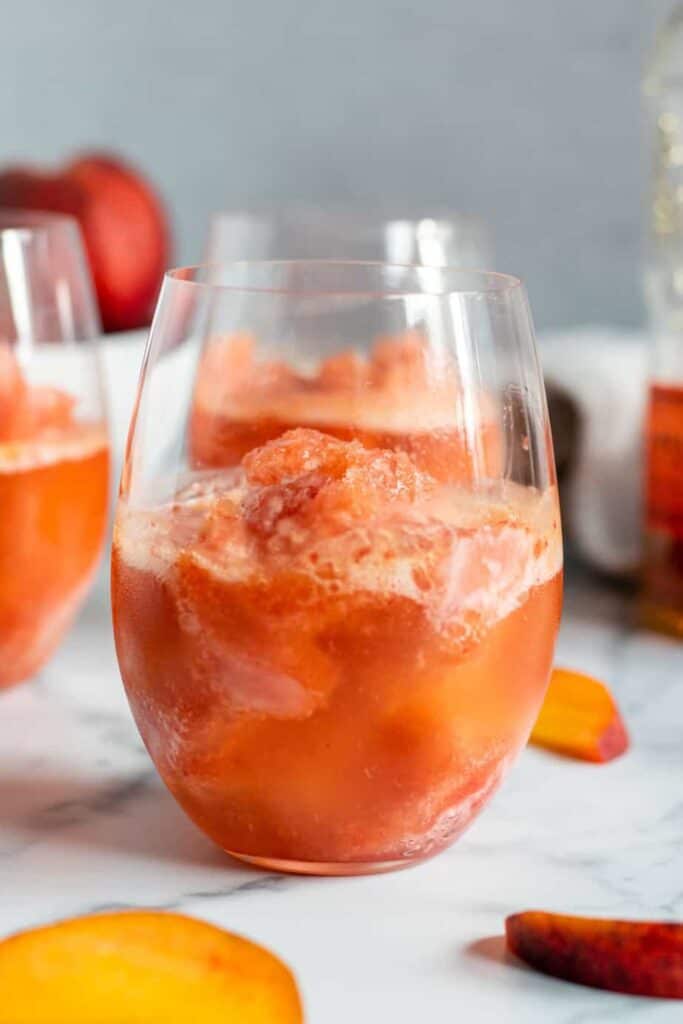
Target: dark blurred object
124,225
565,424
662,597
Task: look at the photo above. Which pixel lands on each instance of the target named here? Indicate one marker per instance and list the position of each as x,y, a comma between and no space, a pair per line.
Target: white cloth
604,372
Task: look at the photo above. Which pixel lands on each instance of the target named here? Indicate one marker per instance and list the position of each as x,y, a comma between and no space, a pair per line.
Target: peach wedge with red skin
637,957
580,718
142,968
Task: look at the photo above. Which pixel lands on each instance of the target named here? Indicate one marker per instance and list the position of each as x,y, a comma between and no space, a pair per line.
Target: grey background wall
524,112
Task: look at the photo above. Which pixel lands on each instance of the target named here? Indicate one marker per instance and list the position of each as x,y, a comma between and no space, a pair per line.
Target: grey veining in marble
85,825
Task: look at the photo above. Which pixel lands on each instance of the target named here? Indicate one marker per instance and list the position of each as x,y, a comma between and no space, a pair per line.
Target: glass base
328,868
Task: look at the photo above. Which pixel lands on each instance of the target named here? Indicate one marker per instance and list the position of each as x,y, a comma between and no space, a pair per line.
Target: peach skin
142,967
579,718
637,957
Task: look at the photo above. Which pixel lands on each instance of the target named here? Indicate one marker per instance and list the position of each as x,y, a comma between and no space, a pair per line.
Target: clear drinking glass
300,231
336,573
54,455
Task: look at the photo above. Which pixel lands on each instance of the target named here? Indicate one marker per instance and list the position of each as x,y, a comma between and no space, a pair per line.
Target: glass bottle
662,601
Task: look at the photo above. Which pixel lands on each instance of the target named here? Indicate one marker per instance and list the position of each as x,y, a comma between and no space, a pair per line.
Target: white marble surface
85,825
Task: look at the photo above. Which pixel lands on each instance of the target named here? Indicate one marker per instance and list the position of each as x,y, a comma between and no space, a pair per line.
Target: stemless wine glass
336,573
301,231
54,462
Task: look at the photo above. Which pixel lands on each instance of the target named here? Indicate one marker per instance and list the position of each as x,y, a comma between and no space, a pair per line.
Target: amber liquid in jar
662,602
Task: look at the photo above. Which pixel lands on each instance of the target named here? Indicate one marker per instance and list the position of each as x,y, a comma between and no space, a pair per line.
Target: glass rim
17,220
489,282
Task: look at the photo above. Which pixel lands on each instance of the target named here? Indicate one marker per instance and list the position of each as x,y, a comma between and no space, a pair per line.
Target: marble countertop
85,825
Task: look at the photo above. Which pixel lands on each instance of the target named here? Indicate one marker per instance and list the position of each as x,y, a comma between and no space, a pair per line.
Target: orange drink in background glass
336,574
385,401
54,461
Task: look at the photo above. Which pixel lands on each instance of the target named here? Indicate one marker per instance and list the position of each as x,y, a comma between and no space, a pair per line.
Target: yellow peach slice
142,967
580,718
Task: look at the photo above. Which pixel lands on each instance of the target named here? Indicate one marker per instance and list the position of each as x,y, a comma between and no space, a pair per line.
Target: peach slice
637,957
580,718
142,967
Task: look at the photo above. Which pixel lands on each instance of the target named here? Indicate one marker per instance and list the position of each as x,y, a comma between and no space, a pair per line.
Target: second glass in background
300,231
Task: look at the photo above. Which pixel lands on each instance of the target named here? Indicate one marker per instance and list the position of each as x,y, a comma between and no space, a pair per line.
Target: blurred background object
526,114
442,238
662,604
596,379
122,222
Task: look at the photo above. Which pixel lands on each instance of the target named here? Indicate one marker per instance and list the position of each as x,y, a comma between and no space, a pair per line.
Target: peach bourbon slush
331,655
54,476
